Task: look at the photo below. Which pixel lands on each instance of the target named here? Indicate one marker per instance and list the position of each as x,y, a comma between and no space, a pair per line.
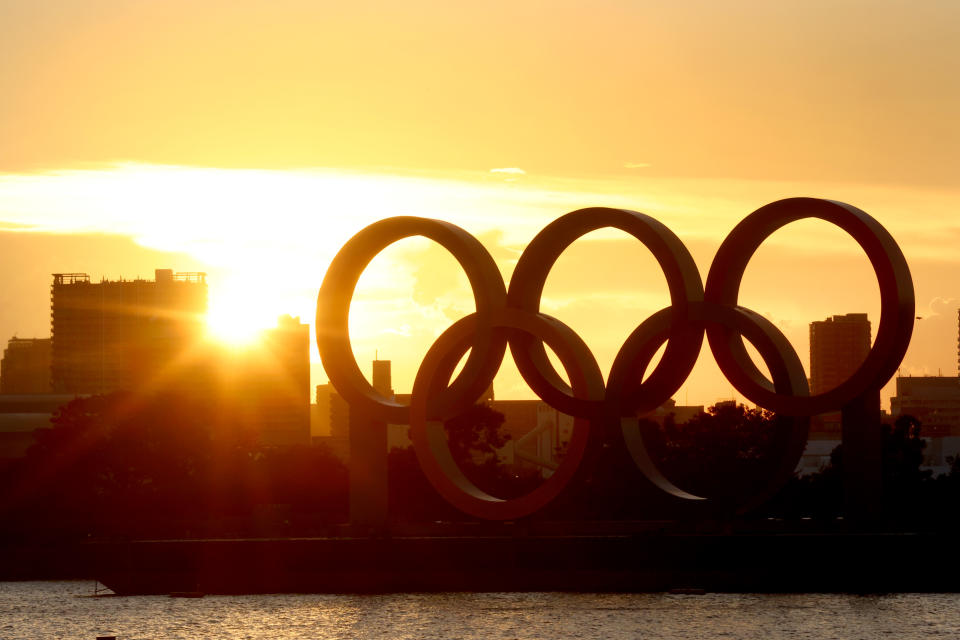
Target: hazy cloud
636,165
512,171
943,306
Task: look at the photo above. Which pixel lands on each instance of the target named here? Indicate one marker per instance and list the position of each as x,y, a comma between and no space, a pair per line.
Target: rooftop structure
117,334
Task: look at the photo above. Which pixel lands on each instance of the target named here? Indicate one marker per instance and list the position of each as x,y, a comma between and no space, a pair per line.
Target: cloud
513,171
13,226
636,165
403,331
943,307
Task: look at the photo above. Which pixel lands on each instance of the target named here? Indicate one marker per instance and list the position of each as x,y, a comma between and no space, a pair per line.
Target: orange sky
251,139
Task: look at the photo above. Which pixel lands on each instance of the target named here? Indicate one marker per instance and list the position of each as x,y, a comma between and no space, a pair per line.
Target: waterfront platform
586,557
628,562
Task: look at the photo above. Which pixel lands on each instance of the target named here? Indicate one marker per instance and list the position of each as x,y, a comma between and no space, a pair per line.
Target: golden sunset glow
252,140
266,256
234,325
229,377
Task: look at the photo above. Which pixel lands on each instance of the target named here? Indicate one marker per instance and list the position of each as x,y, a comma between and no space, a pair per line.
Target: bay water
69,610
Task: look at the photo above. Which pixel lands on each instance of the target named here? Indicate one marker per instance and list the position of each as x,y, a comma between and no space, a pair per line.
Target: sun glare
237,321
232,328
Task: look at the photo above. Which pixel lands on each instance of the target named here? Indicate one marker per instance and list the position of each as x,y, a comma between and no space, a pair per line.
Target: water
32,610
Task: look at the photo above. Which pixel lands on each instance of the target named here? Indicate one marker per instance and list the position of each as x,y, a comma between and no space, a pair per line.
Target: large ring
896,304
683,282
429,439
333,309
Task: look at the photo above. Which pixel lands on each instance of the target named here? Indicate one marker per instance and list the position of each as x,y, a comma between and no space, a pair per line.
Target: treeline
163,466
735,447
123,465
167,466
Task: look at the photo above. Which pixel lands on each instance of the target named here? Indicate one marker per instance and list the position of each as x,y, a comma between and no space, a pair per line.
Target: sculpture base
631,562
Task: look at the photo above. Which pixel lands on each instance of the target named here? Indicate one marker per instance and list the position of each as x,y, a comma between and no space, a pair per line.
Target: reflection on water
31,610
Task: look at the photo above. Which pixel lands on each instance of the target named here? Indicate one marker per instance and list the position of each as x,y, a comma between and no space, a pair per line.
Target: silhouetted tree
724,451
162,465
903,453
909,495
474,436
945,494
905,496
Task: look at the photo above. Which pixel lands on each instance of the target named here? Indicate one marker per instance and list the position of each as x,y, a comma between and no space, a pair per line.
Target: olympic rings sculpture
512,317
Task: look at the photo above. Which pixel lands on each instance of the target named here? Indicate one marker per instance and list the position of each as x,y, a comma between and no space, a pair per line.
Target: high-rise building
281,383
381,378
332,426
111,335
25,367
838,346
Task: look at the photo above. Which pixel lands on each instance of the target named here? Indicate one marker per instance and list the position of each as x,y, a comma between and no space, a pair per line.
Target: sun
232,329
237,320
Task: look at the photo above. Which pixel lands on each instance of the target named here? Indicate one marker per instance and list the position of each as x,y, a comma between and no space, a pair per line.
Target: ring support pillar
368,472
862,438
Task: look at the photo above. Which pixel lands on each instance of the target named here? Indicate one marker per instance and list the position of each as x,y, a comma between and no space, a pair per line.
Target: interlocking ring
513,316
683,282
897,308
430,440
333,309
788,377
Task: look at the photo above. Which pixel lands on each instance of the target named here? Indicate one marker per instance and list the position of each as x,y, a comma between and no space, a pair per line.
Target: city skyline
254,340
694,115
395,344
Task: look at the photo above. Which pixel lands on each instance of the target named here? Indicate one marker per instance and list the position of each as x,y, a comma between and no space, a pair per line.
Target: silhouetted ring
786,370
683,282
333,309
896,303
515,316
429,439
